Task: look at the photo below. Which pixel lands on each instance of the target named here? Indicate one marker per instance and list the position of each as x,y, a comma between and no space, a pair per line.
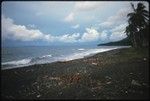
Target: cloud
118,33
21,32
69,38
10,30
70,17
117,19
92,34
86,6
75,26
31,26
104,36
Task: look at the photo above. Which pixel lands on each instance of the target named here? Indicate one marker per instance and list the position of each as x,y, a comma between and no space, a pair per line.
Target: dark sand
116,74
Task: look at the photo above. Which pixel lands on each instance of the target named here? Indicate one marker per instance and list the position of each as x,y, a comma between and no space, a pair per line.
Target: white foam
87,53
78,55
81,49
18,62
45,56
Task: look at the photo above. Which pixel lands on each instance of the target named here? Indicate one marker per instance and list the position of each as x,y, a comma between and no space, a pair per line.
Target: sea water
17,57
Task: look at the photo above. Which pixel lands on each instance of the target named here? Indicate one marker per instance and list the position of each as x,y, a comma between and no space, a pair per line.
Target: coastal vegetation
138,26
137,30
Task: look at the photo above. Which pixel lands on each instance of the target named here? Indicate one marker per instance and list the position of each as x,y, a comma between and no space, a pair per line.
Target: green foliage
138,28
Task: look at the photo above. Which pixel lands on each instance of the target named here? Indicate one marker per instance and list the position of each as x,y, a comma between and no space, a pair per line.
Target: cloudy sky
62,22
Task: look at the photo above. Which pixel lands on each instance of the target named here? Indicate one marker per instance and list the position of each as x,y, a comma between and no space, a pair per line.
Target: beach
115,74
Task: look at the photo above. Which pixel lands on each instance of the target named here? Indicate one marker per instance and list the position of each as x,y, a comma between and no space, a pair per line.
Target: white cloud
69,38
31,26
75,26
70,17
90,35
86,6
119,28
118,33
117,19
104,36
21,32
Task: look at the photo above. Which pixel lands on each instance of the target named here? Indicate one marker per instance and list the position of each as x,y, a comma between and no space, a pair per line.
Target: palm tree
138,20
130,34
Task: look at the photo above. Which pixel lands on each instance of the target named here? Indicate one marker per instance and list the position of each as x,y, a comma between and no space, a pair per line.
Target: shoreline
115,74
25,66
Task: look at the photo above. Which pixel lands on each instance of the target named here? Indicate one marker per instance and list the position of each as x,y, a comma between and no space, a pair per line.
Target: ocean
17,57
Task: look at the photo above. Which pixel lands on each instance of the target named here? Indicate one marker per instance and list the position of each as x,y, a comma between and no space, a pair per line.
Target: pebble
94,63
38,87
131,73
135,83
27,70
107,77
108,82
60,93
38,96
144,59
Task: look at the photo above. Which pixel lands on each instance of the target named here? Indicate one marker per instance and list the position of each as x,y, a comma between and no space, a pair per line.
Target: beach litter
136,83
46,76
107,77
108,82
38,96
131,73
94,63
144,59
60,93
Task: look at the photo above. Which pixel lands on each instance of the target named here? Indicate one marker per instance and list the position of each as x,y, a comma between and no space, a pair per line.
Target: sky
41,23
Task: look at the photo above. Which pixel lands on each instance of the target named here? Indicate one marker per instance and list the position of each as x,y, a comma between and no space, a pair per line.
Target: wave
17,62
49,58
46,56
25,62
86,53
81,49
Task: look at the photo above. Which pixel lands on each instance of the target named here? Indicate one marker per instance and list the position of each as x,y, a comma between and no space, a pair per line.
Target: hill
123,42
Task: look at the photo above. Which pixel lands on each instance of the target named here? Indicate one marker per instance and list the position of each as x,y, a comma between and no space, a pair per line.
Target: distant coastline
123,42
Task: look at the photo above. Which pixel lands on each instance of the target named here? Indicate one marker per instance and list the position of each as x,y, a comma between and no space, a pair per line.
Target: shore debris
126,92
131,73
144,59
34,83
108,82
46,76
38,96
54,78
75,78
28,70
107,77
96,88
94,63
60,93
136,83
